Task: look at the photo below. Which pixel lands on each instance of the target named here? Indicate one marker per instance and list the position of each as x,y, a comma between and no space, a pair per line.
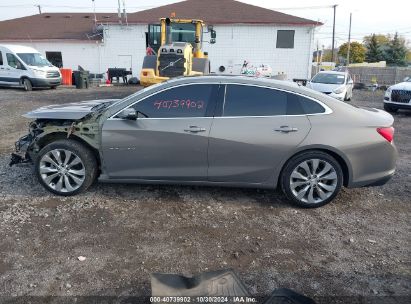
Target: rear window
243,100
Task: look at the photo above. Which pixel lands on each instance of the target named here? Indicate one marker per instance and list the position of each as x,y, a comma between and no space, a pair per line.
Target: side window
183,101
14,62
310,106
243,100
1,58
299,105
285,39
294,105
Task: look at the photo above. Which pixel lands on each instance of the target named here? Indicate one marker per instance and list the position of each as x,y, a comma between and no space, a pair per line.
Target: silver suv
213,130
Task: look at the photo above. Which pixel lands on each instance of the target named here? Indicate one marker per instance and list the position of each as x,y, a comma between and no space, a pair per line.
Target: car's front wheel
27,85
311,179
66,167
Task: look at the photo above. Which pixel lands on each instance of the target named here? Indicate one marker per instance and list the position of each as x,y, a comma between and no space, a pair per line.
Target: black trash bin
81,79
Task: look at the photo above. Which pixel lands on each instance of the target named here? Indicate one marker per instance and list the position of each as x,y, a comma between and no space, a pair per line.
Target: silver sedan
213,130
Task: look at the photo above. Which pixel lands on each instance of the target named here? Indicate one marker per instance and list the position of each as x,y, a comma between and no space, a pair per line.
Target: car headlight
39,73
339,90
388,92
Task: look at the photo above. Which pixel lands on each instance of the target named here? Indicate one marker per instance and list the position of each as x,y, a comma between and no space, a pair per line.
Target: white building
244,32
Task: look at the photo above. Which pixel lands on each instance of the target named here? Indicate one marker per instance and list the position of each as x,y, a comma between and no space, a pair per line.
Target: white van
25,66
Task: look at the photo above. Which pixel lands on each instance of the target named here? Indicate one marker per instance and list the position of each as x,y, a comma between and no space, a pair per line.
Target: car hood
75,110
402,86
44,68
324,87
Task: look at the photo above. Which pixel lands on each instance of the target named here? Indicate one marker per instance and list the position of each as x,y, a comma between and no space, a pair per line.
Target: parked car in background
26,67
398,96
213,130
335,84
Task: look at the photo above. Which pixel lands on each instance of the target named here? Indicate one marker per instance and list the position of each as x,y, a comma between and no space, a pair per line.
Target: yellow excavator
174,49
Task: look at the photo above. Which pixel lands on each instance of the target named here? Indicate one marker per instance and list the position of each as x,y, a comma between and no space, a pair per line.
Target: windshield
328,78
34,59
183,32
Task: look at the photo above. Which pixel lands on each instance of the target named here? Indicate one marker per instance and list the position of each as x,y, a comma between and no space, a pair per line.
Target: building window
55,58
285,39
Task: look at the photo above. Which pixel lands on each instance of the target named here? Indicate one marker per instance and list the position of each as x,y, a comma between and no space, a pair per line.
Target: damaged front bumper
22,146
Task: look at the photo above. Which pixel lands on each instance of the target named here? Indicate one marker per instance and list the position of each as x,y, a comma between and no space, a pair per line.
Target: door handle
194,129
286,129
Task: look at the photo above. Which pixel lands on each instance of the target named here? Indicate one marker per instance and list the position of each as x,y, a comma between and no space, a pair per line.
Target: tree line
374,48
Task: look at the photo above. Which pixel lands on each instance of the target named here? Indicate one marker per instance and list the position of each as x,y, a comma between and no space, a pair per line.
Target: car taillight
387,133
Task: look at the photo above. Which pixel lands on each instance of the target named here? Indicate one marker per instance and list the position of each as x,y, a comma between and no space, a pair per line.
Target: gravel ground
357,246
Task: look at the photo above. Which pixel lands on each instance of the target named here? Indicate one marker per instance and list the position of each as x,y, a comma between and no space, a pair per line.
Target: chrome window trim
327,111
112,117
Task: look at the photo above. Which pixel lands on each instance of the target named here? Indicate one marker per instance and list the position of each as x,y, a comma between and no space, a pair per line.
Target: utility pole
119,13
349,42
94,12
39,7
124,12
332,48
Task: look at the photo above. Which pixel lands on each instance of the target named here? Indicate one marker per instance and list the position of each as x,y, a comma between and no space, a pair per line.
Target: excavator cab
177,48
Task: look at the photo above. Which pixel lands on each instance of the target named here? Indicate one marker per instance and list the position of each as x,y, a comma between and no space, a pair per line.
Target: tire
53,87
57,175
295,179
27,84
389,108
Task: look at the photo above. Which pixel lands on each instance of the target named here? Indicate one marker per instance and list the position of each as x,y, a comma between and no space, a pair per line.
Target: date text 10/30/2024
203,299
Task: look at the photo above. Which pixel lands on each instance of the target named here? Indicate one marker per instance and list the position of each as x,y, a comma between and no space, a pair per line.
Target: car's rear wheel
66,167
27,84
311,179
389,108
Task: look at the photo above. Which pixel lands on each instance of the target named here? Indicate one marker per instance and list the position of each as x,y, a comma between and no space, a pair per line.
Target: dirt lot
359,245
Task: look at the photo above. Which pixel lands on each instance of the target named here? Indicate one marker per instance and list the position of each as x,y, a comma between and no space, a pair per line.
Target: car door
253,135
2,69
168,141
14,69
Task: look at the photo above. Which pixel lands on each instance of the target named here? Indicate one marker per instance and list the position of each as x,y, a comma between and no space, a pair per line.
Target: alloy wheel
313,181
62,170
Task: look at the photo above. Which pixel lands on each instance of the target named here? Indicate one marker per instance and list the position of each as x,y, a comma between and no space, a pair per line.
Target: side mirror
129,113
213,34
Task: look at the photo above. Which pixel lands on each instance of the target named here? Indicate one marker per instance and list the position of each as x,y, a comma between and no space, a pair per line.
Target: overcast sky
369,16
